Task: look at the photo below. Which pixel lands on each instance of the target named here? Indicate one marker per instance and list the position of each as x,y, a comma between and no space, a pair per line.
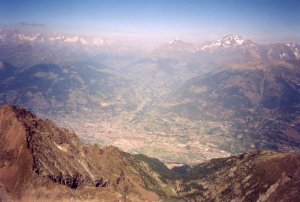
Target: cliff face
35,154
16,159
41,162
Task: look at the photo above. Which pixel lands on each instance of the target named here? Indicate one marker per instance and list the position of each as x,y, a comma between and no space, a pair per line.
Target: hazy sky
192,20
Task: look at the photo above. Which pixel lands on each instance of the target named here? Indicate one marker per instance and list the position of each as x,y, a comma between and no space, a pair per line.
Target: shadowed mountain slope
258,103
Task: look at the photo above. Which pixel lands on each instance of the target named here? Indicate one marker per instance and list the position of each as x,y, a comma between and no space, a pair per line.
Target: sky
191,20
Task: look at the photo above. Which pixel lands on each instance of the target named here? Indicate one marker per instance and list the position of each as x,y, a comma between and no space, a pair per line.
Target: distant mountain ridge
279,51
15,36
229,41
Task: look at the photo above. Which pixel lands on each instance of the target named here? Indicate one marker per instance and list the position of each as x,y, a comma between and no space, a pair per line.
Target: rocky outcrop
39,154
57,153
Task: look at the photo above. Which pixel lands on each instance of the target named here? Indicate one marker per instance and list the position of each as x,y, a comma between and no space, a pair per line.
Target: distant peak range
232,47
175,41
7,35
178,44
229,41
21,49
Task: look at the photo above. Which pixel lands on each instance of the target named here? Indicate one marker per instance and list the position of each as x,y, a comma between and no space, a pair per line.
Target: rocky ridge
35,154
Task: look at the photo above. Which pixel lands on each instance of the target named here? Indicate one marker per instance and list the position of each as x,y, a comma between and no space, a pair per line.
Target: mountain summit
229,41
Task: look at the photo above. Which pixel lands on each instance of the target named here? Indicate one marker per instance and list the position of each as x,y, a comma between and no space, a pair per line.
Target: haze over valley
178,102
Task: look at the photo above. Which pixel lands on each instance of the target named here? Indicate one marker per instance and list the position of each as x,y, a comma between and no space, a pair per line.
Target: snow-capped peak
232,39
30,37
176,40
54,38
72,39
295,49
228,41
179,45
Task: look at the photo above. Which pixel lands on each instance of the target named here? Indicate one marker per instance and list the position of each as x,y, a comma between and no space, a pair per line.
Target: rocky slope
256,176
41,162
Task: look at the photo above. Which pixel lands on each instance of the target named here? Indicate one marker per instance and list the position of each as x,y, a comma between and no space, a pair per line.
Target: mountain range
9,36
180,102
279,51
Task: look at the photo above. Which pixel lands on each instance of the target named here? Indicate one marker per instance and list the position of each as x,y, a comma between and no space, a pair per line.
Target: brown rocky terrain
256,176
41,162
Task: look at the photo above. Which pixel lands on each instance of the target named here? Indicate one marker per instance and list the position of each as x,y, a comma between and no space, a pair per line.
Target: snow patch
296,52
98,41
64,149
54,38
27,38
227,42
86,168
174,41
83,41
240,41
72,39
